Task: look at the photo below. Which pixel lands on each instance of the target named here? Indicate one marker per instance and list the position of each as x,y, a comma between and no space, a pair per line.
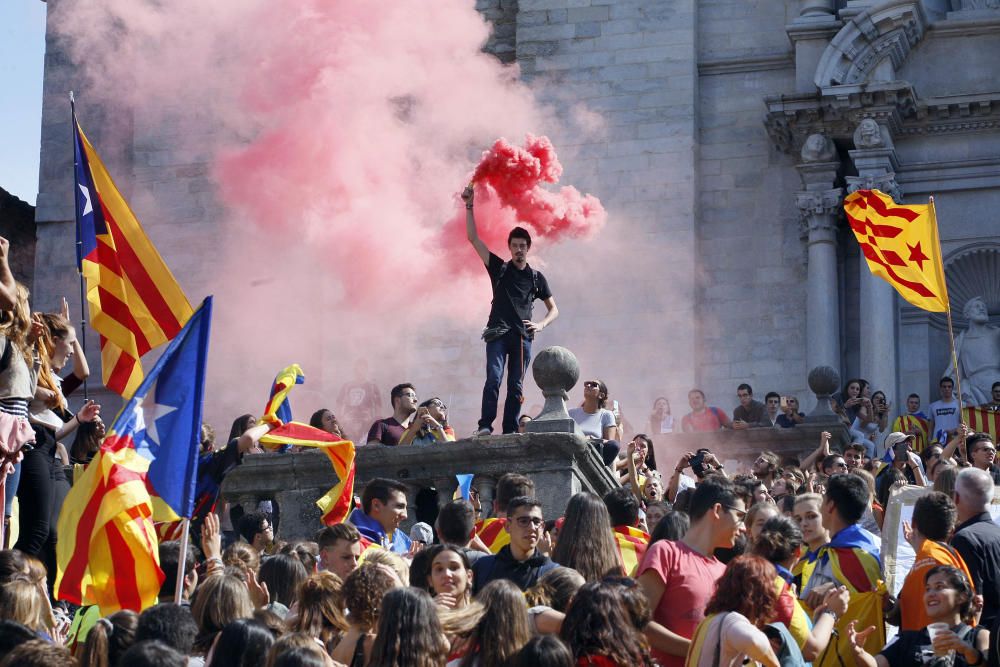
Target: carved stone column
819,210
875,160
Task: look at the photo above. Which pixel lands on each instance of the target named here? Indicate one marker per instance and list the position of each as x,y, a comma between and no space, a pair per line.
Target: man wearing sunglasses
520,561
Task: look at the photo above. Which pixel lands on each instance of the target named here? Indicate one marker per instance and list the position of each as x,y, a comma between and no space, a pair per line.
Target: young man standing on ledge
510,329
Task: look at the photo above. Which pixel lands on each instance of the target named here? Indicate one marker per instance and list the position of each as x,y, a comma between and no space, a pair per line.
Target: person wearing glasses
679,577
520,561
429,425
596,421
983,454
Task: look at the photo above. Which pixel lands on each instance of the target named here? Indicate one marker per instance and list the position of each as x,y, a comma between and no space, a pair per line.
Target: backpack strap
534,279
8,352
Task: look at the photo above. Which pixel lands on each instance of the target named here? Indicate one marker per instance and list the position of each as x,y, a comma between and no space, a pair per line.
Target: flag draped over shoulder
135,302
632,544
983,420
851,559
335,503
901,245
107,553
493,534
909,423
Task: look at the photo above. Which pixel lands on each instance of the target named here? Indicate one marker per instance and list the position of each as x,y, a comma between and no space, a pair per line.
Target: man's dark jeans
515,350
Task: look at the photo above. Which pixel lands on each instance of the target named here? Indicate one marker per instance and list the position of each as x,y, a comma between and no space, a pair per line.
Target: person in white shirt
596,421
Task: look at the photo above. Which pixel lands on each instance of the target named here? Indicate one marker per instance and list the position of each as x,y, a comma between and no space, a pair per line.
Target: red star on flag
917,255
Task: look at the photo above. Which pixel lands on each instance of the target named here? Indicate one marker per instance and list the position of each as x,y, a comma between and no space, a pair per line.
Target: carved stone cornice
836,112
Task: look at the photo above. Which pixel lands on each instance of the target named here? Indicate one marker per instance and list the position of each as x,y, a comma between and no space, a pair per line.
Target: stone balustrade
560,464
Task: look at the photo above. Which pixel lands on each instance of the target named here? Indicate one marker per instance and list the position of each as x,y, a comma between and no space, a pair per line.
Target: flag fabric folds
162,421
135,302
493,534
107,553
335,503
901,246
632,543
983,420
909,423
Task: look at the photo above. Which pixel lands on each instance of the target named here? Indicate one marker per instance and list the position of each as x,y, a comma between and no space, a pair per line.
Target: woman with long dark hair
449,576
586,542
600,631
743,602
502,628
409,632
325,420
242,643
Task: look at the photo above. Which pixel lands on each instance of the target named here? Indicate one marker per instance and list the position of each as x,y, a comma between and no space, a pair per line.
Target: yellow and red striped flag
335,503
983,420
632,544
901,245
135,302
491,532
910,423
107,552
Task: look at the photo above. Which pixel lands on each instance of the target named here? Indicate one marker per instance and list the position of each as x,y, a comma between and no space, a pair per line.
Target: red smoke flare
509,192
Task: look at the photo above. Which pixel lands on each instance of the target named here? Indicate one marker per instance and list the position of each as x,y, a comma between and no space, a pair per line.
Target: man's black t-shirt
913,647
514,294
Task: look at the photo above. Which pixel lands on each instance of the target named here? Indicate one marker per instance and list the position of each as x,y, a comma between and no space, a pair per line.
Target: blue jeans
515,351
10,489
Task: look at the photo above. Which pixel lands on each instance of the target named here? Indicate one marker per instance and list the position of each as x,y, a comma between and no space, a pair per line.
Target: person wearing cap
899,454
420,536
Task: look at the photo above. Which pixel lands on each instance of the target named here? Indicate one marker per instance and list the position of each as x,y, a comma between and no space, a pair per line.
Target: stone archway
881,34
973,270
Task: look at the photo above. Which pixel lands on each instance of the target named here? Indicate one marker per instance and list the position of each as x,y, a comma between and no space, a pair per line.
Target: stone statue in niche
978,350
868,134
957,5
818,148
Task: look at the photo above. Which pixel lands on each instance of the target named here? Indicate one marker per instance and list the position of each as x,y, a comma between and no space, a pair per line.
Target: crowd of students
725,575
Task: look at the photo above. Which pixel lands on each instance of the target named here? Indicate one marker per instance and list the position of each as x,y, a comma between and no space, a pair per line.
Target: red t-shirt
690,579
707,420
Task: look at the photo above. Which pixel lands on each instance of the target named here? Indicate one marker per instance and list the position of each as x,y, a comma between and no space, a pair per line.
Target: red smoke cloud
509,191
333,137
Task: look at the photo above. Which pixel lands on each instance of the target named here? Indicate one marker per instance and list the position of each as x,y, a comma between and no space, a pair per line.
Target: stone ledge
560,464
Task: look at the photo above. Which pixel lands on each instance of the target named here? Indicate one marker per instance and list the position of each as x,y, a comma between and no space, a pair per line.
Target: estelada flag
135,302
493,534
108,549
335,503
901,245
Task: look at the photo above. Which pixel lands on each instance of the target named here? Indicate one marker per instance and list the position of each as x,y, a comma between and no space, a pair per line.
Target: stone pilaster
819,210
876,164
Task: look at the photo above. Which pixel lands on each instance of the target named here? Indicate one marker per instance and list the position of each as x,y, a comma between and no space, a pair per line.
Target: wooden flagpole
951,329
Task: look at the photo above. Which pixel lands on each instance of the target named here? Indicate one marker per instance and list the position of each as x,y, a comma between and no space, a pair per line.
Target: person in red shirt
678,578
703,417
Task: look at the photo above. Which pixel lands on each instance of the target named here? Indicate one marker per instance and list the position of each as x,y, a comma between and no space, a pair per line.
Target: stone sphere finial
824,382
556,371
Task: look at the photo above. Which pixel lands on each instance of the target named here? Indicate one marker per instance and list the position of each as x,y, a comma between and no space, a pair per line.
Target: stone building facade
731,131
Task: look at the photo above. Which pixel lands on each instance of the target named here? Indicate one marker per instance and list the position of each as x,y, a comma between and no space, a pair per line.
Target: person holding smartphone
790,415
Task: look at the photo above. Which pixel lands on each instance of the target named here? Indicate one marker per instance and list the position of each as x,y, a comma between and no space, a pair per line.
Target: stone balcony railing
560,464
